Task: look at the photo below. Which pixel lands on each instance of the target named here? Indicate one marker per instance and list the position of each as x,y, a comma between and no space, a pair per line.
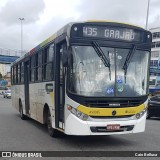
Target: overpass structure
7,56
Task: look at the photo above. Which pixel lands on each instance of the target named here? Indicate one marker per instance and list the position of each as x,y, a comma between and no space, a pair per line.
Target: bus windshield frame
108,82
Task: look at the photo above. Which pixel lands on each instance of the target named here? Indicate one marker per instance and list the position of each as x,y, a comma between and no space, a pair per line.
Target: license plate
113,127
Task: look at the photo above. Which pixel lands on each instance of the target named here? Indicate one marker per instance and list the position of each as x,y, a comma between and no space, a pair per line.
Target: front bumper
76,126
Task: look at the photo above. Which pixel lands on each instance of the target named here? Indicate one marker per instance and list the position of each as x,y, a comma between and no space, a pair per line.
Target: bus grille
107,103
111,117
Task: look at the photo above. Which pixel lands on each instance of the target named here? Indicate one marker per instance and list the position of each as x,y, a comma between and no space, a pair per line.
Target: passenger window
48,62
32,68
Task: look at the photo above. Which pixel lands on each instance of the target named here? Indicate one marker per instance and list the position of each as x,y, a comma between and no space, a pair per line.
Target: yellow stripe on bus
108,111
114,22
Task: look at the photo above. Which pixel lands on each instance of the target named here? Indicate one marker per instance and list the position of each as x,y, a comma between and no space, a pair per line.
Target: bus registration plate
113,127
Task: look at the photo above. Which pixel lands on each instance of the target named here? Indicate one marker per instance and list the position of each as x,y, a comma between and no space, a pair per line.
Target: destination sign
109,32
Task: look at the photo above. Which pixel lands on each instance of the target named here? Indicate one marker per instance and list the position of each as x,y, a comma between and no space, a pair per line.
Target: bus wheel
23,117
52,132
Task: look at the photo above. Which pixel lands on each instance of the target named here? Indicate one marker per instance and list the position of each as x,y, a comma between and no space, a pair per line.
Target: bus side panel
22,97
32,101
13,88
44,97
39,97
18,94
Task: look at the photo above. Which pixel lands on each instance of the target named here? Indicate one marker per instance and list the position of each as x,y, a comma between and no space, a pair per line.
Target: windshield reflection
90,77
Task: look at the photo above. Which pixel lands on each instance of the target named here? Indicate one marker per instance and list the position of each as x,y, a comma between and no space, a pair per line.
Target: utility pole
21,19
147,14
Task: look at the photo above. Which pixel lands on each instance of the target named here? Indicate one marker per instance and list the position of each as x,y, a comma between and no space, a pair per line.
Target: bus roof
111,21
66,29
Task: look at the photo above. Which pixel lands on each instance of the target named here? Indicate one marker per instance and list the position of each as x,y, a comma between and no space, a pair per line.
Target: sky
42,18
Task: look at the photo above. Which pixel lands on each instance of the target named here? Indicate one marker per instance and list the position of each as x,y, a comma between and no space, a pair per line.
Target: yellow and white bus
89,78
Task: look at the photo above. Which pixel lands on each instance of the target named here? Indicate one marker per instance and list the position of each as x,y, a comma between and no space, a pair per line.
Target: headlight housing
78,114
140,114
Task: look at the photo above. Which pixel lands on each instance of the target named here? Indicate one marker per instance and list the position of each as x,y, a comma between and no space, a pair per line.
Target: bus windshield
89,76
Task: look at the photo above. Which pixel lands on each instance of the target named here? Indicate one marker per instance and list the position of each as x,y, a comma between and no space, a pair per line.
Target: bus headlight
77,113
140,114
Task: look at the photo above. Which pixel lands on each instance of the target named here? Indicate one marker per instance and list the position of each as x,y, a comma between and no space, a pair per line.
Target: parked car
7,94
154,107
2,89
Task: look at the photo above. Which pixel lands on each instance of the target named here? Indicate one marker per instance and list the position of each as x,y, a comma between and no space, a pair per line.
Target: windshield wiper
128,60
100,53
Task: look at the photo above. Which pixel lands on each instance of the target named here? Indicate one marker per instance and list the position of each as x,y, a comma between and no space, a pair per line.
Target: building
155,61
2,69
5,68
7,77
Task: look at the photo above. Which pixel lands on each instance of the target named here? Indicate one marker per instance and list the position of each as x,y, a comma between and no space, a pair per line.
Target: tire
148,115
23,117
52,132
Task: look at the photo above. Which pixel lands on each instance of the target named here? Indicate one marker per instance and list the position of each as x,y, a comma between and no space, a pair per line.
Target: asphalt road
29,135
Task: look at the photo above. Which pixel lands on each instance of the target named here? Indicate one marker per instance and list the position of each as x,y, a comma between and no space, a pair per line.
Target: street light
147,14
21,19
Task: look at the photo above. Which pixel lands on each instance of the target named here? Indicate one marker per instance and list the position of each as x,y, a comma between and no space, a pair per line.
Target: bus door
60,74
26,86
